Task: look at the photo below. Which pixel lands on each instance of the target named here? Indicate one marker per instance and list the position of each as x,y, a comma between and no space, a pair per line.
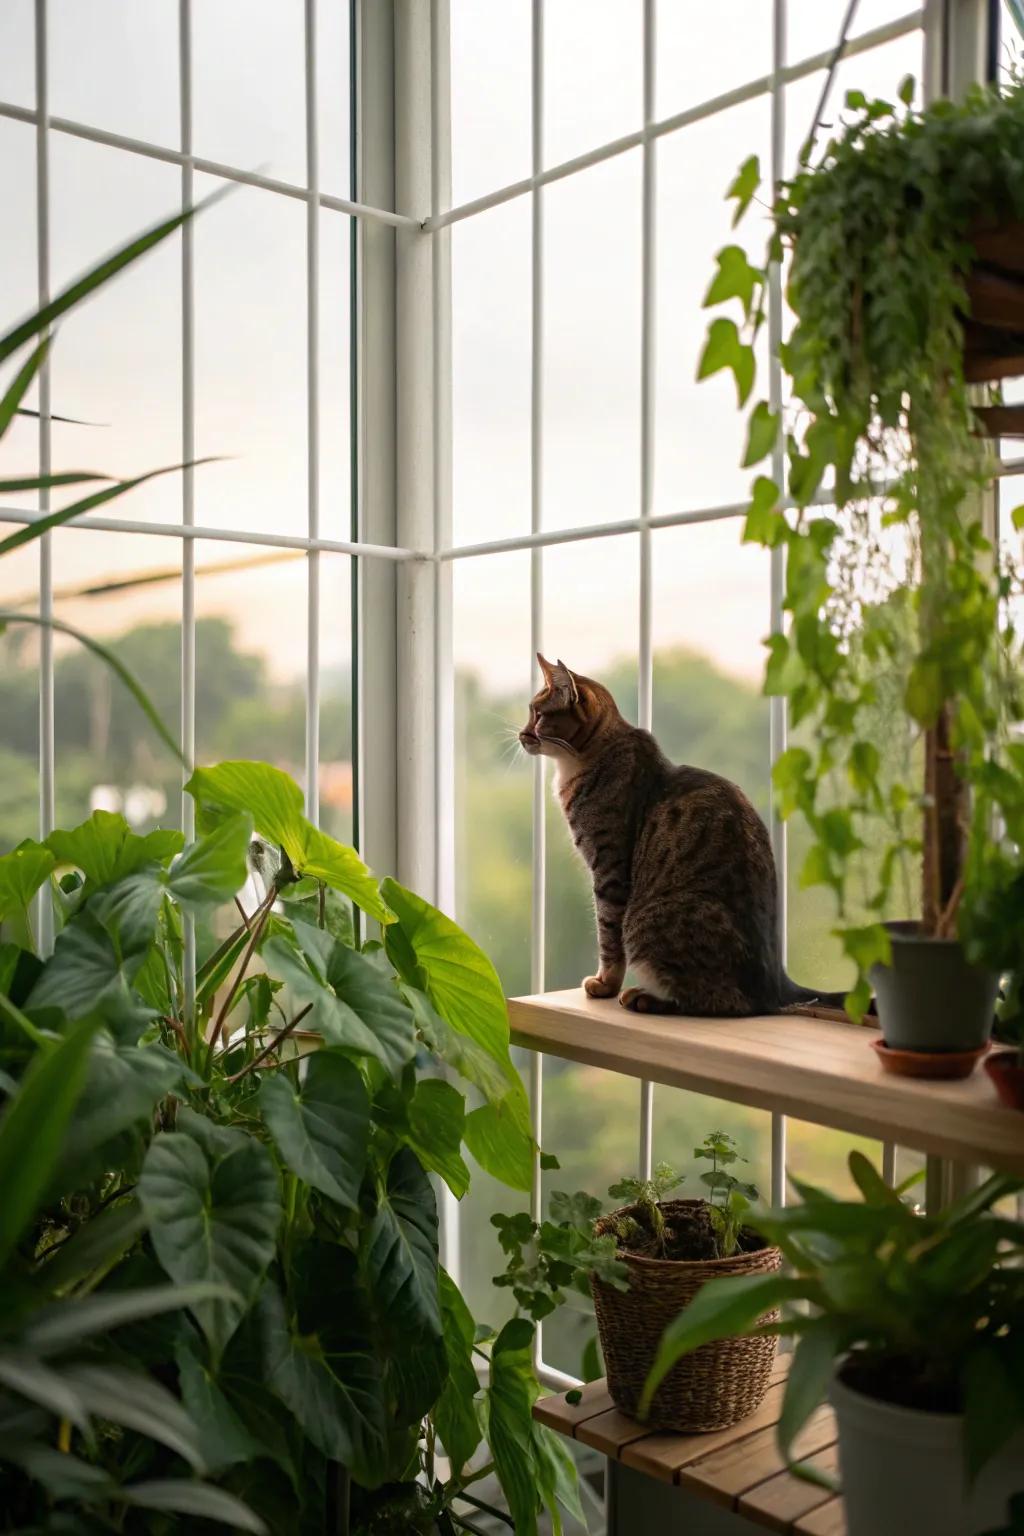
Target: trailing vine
898,652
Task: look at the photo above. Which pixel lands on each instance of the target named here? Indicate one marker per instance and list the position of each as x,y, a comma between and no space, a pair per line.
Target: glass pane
593,74
19,699
591,1124
592,345
335,377
490,96
591,593
493,780
711,612
114,64
335,766
117,359
1011,39
491,374
125,590
703,51
251,362
251,655
249,85
820,1155
333,91
814,26
17,53
700,433
681,1122
19,453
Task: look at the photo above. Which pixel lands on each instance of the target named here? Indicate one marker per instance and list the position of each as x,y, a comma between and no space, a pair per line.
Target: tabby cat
684,878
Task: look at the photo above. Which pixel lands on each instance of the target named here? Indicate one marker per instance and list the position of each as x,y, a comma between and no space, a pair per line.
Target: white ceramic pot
902,1471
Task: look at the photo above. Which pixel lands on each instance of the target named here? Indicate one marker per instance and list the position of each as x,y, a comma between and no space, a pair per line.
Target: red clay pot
1005,1070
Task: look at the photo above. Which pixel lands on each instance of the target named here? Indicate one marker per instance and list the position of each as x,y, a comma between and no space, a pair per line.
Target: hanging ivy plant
895,599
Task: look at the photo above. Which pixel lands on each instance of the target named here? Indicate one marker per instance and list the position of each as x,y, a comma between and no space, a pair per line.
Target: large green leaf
85,965
21,1371
276,804
720,1309
32,1130
508,1422
215,867
336,1398
224,1438
22,872
355,1007
321,1129
811,1371
433,955
214,1207
436,1117
123,1084
464,1055
106,849
501,1144
455,1414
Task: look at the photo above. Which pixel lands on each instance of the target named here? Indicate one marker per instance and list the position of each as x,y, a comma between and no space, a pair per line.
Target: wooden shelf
739,1468
809,1068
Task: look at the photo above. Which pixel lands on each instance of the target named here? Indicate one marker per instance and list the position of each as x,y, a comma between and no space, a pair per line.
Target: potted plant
642,1262
899,665
916,1329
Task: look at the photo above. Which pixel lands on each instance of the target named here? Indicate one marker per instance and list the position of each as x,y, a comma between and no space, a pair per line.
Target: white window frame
401,335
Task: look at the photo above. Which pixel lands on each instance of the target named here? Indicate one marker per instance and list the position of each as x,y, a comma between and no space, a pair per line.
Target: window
446,436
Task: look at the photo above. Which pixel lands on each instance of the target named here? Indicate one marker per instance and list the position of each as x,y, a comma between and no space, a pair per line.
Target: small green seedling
646,1195
729,1198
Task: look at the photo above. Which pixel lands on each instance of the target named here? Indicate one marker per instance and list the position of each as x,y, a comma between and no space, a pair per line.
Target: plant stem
259,923
271,1046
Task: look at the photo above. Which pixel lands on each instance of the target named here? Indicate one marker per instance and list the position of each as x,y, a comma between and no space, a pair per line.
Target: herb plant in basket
670,1249
899,664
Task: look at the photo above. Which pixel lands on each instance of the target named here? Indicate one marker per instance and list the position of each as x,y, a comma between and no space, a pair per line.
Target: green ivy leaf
724,349
735,279
908,86
322,1128
1017,518
765,524
744,186
214,1206
762,435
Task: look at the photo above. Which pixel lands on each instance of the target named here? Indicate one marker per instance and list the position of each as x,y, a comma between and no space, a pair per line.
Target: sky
114,64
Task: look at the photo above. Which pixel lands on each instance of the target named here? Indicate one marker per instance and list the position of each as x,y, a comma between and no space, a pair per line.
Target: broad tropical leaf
215,867
181,1496
321,1129
436,1120
501,1144
22,872
106,849
276,804
508,1422
214,1211
455,1415
224,1438
338,1400
355,1007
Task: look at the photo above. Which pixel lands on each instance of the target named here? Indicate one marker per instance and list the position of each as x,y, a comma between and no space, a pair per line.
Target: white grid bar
538,893
777,722
46,716
188,453
648,311
899,27
208,167
312,421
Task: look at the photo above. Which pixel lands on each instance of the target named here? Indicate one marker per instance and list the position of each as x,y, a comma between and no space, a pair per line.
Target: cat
685,888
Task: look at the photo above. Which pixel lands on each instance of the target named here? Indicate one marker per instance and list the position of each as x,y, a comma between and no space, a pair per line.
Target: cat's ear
563,680
546,667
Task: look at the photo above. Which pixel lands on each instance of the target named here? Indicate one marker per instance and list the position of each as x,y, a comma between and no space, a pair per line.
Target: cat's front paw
600,986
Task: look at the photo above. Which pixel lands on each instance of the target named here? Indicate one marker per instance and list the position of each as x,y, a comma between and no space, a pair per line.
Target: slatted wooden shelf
738,1468
811,1068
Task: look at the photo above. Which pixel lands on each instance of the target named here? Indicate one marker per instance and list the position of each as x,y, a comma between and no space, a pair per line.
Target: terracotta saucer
934,1064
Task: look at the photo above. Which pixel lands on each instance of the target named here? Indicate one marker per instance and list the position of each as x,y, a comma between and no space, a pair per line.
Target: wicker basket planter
718,1384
